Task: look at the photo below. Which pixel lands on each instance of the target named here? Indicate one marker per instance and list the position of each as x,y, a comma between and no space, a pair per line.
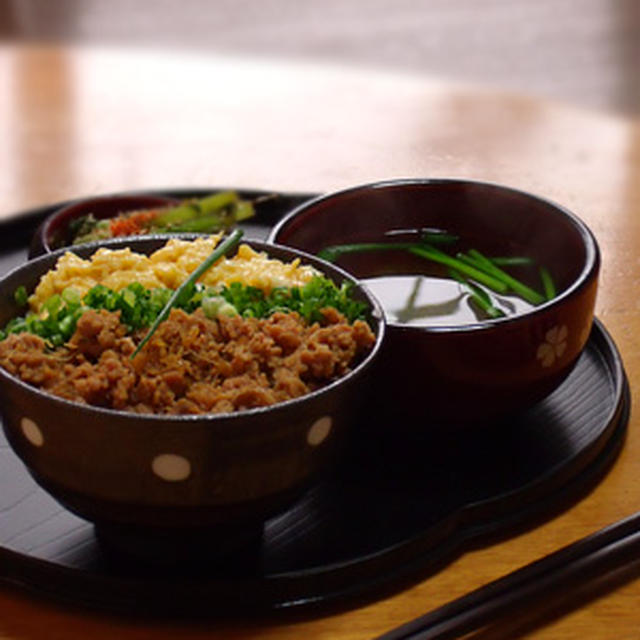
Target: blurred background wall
586,52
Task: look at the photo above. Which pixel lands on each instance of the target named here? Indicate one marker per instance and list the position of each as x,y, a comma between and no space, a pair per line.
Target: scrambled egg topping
168,267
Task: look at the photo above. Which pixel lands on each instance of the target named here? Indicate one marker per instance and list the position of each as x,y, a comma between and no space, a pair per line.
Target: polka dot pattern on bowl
319,431
171,467
32,432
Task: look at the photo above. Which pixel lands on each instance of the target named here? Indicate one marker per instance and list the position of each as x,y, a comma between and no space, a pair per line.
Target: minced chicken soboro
191,365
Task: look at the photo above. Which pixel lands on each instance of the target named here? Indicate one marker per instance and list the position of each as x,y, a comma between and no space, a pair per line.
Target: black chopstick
531,585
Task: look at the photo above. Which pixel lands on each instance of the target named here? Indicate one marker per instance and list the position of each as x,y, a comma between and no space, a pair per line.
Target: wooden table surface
75,122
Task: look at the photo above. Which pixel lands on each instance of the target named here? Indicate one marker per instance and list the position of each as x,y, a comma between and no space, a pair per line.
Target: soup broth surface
420,300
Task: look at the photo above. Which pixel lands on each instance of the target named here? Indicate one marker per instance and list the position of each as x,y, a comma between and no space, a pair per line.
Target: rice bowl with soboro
239,459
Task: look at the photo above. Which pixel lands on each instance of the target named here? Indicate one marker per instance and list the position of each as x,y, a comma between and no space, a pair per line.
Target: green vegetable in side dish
216,212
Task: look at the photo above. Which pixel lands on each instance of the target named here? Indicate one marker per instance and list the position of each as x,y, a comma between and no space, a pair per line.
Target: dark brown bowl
54,234
483,370
120,469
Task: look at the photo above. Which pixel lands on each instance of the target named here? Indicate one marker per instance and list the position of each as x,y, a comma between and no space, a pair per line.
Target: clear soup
420,300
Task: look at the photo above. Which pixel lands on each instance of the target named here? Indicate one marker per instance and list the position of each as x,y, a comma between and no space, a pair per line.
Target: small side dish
209,214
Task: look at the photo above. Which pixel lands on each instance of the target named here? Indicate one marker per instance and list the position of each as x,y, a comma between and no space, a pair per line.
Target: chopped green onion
215,306
52,305
20,296
308,301
71,297
216,254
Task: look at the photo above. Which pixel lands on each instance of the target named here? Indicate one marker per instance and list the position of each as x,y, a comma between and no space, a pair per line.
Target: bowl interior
492,219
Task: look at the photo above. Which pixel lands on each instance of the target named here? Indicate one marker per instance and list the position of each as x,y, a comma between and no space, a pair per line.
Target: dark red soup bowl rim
588,272
278,251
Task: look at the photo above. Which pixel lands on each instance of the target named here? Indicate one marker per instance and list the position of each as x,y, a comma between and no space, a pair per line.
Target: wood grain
80,121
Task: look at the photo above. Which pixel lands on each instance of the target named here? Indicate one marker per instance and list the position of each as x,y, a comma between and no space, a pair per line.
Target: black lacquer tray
401,505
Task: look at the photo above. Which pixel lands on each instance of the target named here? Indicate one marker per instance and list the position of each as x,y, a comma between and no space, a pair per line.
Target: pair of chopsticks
531,586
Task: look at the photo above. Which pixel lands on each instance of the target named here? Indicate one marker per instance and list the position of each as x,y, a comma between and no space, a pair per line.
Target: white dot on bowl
319,431
171,467
32,432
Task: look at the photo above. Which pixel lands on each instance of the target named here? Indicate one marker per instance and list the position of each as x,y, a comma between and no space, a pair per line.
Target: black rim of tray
396,511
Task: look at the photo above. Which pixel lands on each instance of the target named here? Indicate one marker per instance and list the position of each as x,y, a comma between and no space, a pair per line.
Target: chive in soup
419,300
430,277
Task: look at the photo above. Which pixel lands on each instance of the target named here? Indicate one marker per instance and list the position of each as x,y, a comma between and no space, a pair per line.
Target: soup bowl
159,474
473,370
